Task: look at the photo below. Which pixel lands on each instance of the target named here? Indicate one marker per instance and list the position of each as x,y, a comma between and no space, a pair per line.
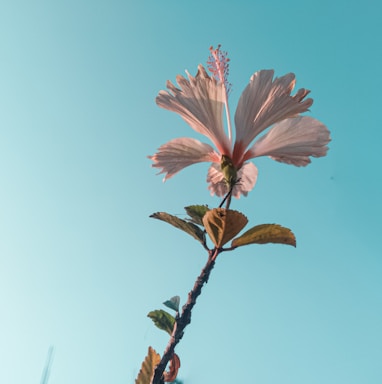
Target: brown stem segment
185,318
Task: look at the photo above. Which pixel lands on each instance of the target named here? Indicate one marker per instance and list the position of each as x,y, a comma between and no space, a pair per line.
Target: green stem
227,198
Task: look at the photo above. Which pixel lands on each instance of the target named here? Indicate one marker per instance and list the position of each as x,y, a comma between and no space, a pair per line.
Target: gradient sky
81,262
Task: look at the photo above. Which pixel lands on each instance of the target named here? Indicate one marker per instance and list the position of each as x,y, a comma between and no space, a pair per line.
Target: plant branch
227,197
185,318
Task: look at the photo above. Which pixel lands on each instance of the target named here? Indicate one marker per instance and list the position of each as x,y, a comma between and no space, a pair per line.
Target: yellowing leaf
222,225
163,320
148,366
266,233
196,212
185,226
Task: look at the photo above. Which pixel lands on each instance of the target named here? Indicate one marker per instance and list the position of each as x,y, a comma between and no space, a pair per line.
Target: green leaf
163,320
266,233
223,225
173,303
196,213
183,225
148,366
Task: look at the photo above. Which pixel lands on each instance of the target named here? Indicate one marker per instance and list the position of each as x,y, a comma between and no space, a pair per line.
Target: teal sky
81,262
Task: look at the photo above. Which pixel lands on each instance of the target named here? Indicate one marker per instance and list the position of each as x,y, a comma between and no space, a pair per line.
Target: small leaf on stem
173,303
148,366
163,320
222,225
183,225
196,213
266,233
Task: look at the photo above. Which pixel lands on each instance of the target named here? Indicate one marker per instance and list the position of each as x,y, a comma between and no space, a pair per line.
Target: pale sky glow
81,262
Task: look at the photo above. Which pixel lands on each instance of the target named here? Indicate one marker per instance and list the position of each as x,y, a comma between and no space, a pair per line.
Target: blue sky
81,262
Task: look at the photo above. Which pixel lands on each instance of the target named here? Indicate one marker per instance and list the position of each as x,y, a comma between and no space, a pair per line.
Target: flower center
229,170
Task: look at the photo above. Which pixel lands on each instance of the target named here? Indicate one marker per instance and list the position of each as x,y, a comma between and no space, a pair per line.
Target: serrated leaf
148,366
196,213
222,225
183,225
173,303
163,320
266,233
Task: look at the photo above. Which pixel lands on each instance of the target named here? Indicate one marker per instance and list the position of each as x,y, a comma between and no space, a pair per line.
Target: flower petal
292,141
199,101
177,154
215,177
247,176
263,103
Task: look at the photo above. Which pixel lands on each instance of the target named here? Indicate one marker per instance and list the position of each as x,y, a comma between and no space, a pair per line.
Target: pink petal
217,184
263,103
199,101
177,154
247,176
292,141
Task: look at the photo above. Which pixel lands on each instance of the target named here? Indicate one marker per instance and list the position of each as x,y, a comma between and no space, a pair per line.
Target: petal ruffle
199,101
293,141
177,154
217,184
247,176
263,103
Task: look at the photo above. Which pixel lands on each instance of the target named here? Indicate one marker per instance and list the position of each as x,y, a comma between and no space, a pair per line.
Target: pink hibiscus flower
265,102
